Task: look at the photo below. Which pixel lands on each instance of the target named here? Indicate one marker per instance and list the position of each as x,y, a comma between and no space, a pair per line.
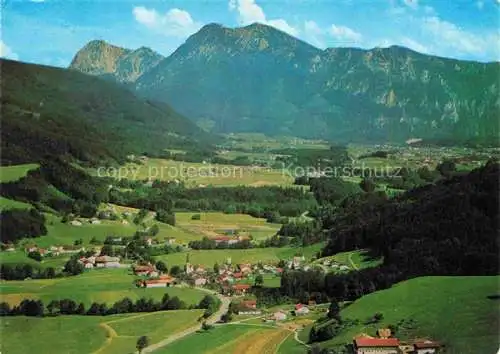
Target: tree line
37,308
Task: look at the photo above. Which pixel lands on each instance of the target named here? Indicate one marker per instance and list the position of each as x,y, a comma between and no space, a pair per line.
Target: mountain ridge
257,78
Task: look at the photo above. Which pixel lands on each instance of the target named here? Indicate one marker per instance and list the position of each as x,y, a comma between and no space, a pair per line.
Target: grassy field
252,255
13,173
196,174
214,224
98,285
115,334
12,204
453,310
237,339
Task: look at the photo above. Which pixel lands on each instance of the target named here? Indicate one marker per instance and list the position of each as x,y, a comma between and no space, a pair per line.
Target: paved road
225,301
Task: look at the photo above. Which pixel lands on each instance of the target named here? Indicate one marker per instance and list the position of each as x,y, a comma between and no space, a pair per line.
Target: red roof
221,238
279,270
426,344
298,306
241,286
376,342
249,303
238,275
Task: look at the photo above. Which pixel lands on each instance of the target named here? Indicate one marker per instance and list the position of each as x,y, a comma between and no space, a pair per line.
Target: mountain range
259,79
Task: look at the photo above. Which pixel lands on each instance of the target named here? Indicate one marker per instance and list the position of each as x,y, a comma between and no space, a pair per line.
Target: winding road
225,301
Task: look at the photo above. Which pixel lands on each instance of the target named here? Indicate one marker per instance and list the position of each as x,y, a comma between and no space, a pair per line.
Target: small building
279,316
200,281
252,304
75,223
368,345
95,221
170,241
149,241
107,262
145,270
245,268
301,310
238,275
162,282
426,347
240,289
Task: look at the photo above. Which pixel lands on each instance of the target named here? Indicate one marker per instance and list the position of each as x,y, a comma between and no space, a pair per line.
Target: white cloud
411,3
6,52
413,44
450,34
343,33
249,12
314,34
174,23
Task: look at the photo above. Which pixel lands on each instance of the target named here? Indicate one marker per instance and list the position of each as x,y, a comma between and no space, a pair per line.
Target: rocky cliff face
257,78
123,65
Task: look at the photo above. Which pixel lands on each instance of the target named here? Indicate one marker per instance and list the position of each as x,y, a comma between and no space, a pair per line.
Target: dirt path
354,266
225,301
110,334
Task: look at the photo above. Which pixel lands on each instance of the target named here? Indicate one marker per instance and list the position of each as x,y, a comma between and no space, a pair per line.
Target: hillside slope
463,316
257,78
56,112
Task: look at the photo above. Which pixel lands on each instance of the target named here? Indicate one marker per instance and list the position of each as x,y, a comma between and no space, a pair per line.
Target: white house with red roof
369,345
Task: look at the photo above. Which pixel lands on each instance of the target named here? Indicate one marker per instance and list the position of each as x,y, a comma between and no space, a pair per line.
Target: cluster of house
249,307
153,277
385,344
52,250
334,265
100,262
228,239
93,221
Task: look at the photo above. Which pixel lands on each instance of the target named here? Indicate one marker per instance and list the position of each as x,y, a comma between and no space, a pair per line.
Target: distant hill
257,78
56,112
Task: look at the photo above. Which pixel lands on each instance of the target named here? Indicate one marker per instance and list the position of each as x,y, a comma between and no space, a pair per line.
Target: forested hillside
49,112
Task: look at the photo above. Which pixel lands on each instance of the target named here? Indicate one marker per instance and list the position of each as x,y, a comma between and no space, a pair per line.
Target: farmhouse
200,281
248,307
162,282
224,239
368,345
301,309
279,316
245,268
425,346
145,270
107,262
240,289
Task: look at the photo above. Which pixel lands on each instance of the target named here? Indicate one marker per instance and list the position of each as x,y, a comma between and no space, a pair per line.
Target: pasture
115,334
472,328
216,224
15,172
199,174
252,255
231,338
6,204
96,285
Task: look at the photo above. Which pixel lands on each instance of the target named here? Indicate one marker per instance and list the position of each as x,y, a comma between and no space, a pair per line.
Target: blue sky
51,31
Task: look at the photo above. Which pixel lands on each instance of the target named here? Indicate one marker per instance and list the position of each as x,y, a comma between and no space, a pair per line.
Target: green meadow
13,173
252,255
96,285
464,316
6,204
221,339
115,334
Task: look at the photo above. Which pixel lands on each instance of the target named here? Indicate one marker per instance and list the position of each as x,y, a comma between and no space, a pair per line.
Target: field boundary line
111,333
283,341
